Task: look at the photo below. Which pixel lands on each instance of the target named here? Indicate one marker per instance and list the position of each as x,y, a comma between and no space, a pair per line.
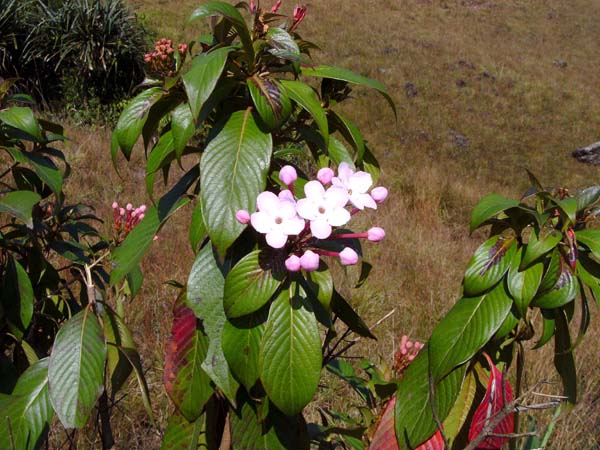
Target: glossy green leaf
320,283
307,98
460,411
186,383
587,197
523,285
161,155
290,354
488,207
181,434
589,279
563,357
250,284
19,204
76,368
338,152
351,133
348,315
466,328
249,431
488,265
132,119
43,166
22,291
281,40
182,127
338,73
271,101
205,297
568,206
234,171
27,409
201,79
217,8
198,229
241,346
127,256
564,290
414,420
23,119
549,325
540,243
591,239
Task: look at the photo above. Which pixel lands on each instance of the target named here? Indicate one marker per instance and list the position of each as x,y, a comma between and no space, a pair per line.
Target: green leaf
275,432
466,328
563,357
205,298
76,368
564,290
569,206
587,197
320,283
346,313
414,420
44,167
523,285
549,325
250,284
241,346
290,354
19,204
24,294
307,98
201,79
591,239
182,127
351,133
488,207
23,119
181,434
27,409
132,119
127,256
282,41
185,381
161,155
460,411
338,152
197,227
338,73
488,265
271,101
588,278
234,171
540,242
217,8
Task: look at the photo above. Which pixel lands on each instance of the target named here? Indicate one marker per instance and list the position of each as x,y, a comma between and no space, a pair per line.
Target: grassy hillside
483,89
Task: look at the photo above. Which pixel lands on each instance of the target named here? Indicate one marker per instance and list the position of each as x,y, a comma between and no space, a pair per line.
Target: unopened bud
288,175
348,257
242,216
375,234
325,175
309,261
379,194
293,263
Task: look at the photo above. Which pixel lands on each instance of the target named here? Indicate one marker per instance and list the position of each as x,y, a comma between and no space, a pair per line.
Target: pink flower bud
122,211
375,234
141,216
348,257
379,194
129,207
293,263
242,216
115,205
276,6
309,261
325,175
142,208
288,175
252,6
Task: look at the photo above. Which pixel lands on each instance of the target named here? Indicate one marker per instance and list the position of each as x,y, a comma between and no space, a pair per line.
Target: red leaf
498,393
385,436
185,382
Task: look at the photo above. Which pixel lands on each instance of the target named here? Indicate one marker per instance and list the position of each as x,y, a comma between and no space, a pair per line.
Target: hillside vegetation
483,89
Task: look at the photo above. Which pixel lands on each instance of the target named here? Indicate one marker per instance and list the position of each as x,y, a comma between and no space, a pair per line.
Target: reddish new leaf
385,437
498,393
186,383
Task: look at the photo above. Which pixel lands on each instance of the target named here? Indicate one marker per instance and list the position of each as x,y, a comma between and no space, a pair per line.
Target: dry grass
490,101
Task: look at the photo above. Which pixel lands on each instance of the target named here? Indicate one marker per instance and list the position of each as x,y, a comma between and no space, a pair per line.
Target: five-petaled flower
323,208
276,218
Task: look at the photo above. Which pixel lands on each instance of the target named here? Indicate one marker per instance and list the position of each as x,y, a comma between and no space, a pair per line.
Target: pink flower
293,263
288,175
276,6
375,234
309,261
115,205
348,257
379,194
299,14
243,216
323,208
276,218
325,175
356,184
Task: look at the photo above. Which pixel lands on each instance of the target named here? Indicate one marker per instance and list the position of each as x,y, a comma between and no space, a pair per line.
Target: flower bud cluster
125,219
301,225
162,59
406,354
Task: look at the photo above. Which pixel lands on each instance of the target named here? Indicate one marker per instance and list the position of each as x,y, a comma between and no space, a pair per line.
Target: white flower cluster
324,207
